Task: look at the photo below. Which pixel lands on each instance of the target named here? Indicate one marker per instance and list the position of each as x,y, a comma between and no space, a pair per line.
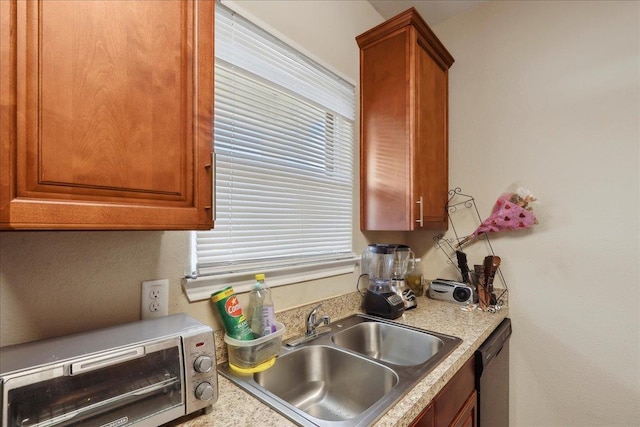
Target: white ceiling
432,11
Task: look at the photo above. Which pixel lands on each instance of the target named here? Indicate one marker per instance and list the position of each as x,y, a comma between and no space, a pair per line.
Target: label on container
268,320
234,321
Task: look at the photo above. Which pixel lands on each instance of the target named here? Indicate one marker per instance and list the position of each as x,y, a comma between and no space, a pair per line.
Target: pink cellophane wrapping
506,215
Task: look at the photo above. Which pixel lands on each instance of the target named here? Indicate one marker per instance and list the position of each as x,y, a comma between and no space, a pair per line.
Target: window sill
202,287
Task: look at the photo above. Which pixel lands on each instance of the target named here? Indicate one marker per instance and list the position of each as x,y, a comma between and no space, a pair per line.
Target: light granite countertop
236,408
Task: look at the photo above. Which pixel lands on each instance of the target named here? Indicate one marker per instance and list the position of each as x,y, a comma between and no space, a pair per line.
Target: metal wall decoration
451,245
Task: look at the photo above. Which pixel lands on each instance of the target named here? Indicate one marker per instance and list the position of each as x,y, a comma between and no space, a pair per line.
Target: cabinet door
455,394
426,418
455,405
107,110
385,176
468,415
431,154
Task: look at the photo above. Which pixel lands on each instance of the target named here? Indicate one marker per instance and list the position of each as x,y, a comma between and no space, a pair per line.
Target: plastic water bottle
263,318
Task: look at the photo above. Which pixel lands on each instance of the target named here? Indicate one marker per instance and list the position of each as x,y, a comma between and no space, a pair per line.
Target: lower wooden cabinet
468,415
455,405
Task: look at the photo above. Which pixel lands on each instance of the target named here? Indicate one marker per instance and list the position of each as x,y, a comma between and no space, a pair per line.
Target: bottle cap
260,276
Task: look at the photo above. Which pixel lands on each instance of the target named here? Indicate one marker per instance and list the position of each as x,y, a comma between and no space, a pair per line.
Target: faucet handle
311,318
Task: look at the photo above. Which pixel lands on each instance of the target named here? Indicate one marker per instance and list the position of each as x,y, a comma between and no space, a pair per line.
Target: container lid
260,276
381,248
399,247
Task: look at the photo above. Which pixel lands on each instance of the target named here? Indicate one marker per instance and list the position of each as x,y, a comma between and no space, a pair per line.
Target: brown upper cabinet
106,114
403,126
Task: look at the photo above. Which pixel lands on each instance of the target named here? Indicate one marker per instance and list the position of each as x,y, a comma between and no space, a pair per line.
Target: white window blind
284,159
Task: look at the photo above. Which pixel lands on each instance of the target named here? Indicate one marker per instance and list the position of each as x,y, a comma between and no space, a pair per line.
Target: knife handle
489,273
464,267
483,296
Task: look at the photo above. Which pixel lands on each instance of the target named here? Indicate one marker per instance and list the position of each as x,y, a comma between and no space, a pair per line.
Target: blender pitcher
404,261
378,261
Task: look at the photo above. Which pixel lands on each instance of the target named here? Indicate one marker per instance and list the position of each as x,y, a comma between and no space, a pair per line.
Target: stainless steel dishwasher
492,378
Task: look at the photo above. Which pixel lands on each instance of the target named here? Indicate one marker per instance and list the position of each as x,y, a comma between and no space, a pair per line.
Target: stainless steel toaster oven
147,372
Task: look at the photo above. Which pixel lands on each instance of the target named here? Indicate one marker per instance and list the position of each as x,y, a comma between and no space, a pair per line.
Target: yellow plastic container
250,354
261,367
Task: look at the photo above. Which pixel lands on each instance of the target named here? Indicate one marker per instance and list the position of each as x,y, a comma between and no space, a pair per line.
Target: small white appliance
452,291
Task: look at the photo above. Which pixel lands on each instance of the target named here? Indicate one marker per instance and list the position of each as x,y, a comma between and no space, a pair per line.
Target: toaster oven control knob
204,391
203,364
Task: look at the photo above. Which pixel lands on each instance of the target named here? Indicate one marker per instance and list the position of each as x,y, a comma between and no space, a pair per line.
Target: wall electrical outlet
154,301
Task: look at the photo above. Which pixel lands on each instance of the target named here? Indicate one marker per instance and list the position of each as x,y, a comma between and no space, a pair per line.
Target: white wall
541,92
547,93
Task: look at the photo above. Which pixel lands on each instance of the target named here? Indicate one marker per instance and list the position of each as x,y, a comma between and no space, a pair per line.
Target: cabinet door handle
421,204
211,167
213,184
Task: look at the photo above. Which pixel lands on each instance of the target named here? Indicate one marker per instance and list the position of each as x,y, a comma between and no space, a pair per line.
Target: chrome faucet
312,323
314,329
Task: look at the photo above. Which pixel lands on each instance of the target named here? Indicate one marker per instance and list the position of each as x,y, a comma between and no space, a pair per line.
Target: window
284,165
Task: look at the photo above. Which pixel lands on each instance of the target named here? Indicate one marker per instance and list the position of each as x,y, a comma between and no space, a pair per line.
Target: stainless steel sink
327,383
350,376
389,343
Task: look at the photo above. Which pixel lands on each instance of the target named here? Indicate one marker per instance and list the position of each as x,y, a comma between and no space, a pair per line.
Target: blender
377,262
403,261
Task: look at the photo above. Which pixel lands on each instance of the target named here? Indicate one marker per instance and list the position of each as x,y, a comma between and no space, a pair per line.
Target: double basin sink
350,376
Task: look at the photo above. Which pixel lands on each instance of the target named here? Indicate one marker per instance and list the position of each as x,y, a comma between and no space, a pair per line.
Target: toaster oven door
142,384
